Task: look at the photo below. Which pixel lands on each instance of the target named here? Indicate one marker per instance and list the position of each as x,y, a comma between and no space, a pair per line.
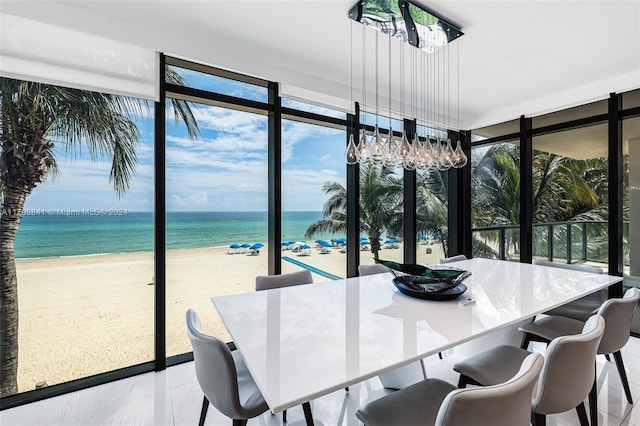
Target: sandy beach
86,315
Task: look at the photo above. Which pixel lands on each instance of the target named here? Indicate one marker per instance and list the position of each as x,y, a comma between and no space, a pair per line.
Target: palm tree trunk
374,239
10,215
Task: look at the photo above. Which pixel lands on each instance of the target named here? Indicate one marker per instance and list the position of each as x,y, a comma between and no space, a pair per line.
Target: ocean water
76,233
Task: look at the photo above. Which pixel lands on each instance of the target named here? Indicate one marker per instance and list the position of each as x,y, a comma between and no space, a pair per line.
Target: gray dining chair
269,282
618,314
584,307
457,258
376,268
436,402
566,378
223,377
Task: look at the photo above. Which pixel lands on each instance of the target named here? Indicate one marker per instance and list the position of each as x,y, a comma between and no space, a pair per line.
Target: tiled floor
172,397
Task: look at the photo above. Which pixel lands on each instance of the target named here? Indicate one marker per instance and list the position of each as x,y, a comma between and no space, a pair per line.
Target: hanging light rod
401,18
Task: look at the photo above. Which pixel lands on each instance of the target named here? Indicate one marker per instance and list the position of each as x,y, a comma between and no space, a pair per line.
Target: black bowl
448,294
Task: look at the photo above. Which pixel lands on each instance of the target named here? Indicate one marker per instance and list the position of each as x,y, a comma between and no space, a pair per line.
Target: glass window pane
369,118
216,84
313,176
569,114
570,187
631,99
381,213
506,128
216,189
431,207
431,216
84,255
495,201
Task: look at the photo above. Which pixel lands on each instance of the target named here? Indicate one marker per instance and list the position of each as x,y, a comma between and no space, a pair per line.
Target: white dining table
306,341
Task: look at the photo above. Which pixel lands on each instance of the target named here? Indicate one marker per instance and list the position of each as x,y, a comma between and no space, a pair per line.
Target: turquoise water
86,233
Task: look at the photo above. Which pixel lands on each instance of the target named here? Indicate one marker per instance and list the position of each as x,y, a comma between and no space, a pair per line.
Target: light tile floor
172,397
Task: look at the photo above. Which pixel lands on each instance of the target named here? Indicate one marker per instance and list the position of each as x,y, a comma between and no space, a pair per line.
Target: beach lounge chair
254,250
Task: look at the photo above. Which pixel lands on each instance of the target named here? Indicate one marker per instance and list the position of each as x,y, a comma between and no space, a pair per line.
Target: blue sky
224,170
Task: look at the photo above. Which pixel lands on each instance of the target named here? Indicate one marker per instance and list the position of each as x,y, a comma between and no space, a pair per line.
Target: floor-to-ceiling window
570,188
495,192
314,194
570,202
84,246
432,206
381,196
216,205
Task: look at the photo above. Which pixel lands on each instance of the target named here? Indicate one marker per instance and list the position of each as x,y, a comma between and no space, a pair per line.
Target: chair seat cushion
580,309
553,326
493,366
417,404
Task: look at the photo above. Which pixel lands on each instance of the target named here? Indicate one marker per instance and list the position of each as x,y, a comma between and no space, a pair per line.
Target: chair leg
582,414
462,382
284,416
346,389
538,419
607,357
240,422
440,355
306,407
526,339
593,403
623,375
203,412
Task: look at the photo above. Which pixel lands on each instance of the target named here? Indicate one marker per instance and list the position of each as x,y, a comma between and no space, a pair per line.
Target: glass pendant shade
377,146
405,146
351,152
364,149
447,155
391,153
459,158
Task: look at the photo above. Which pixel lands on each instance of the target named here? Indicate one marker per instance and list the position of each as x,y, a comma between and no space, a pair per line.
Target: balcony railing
568,242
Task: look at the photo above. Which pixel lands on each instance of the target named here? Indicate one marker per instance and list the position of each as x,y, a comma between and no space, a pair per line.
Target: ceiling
516,57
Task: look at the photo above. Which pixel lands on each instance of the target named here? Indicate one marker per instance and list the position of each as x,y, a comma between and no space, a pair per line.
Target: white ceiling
516,57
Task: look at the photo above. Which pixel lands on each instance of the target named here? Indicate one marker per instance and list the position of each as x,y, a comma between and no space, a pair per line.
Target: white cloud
199,199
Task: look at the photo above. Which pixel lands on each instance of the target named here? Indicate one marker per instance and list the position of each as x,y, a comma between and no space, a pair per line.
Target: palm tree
380,205
432,205
564,189
35,118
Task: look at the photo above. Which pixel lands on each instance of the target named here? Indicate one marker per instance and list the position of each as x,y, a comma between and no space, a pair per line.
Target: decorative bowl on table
436,283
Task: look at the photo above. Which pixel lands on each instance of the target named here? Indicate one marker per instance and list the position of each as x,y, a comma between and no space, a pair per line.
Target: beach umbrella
245,245
285,244
305,246
234,246
256,246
